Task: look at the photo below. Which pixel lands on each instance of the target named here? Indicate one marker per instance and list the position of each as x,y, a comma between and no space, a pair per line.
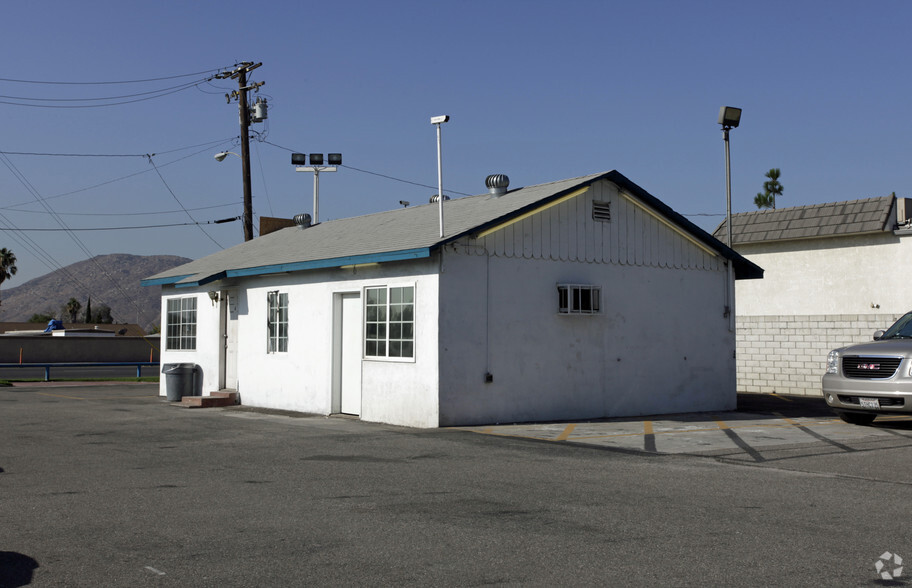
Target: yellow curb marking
563,436
647,428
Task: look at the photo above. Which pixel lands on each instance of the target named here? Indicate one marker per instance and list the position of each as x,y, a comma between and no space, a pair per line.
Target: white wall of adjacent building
863,274
816,295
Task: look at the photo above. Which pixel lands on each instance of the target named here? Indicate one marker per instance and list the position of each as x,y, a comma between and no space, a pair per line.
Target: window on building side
277,322
181,319
389,322
578,299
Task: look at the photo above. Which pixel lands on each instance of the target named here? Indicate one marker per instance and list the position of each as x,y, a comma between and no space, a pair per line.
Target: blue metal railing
47,366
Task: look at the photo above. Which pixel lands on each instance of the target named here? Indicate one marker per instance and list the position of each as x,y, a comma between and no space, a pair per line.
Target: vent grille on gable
601,211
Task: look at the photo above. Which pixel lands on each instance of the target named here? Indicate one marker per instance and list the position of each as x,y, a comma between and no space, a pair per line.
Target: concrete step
221,398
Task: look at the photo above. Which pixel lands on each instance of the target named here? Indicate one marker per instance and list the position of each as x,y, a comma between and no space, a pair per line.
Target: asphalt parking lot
110,485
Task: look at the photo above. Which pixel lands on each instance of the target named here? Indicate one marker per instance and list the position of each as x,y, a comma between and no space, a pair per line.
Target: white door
350,384
228,379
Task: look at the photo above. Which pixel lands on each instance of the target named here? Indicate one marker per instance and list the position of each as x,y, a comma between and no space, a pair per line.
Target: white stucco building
581,298
833,274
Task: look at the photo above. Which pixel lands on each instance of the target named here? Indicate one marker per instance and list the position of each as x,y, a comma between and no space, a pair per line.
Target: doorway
347,354
228,331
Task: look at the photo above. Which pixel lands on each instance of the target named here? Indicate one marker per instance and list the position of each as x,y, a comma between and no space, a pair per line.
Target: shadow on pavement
16,569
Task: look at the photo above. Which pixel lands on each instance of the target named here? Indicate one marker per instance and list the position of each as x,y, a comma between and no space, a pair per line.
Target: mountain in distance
109,279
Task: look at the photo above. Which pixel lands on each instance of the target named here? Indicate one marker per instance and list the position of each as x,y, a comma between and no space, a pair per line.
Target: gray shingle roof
404,233
869,215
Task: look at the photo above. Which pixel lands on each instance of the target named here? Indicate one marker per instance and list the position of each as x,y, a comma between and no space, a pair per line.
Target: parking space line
649,438
815,434
60,396
563,436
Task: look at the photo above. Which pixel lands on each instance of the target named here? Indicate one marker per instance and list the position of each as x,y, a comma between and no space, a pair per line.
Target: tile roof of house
406,233
869,215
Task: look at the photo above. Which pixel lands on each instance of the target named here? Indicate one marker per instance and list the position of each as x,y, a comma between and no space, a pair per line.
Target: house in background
581,298
834,273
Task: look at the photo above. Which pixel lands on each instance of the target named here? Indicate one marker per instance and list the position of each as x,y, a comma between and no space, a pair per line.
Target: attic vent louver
302,220
497,184
601,211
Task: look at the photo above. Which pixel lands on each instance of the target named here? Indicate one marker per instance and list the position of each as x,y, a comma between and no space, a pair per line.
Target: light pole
316,166
729,118
439,120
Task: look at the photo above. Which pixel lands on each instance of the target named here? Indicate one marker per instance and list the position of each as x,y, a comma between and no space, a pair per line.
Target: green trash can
178,380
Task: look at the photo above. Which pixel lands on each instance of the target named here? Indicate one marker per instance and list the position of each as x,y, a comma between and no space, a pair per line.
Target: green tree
103,315
88,315
72,309
7,264
771,189
41,317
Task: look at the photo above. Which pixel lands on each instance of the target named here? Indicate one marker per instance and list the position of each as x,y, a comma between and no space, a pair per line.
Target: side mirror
878,334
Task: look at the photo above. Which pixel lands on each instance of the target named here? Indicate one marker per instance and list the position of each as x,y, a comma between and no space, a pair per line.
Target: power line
115,82
101,98
48,154
179,203
215,222
105,183
31,188
160,212
91,105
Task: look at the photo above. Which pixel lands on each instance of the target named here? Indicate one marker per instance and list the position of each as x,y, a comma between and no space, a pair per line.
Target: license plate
869,403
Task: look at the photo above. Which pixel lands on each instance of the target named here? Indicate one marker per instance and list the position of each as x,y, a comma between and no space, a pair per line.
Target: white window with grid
277,322
180,333
389,322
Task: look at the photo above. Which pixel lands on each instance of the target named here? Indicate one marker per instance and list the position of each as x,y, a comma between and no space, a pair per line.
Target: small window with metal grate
601,211
578,299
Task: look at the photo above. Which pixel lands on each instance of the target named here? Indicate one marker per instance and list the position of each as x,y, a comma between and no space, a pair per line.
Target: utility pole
239,73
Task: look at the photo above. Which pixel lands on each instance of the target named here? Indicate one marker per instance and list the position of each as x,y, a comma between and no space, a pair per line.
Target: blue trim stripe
298,266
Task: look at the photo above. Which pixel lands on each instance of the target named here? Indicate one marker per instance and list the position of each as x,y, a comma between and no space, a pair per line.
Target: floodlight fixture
298,159
436,120
729,116
316,159
334,159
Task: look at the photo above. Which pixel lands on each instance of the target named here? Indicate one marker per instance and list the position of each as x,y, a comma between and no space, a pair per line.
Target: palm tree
72,308
7,264
771,189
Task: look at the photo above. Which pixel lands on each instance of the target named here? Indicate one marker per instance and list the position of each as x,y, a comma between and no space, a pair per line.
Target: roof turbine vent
497,184
302,220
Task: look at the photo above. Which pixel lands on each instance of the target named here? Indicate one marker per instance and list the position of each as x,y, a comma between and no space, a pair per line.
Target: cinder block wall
787,354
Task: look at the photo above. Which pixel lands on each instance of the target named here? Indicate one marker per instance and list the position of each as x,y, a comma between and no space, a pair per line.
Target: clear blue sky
540,91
